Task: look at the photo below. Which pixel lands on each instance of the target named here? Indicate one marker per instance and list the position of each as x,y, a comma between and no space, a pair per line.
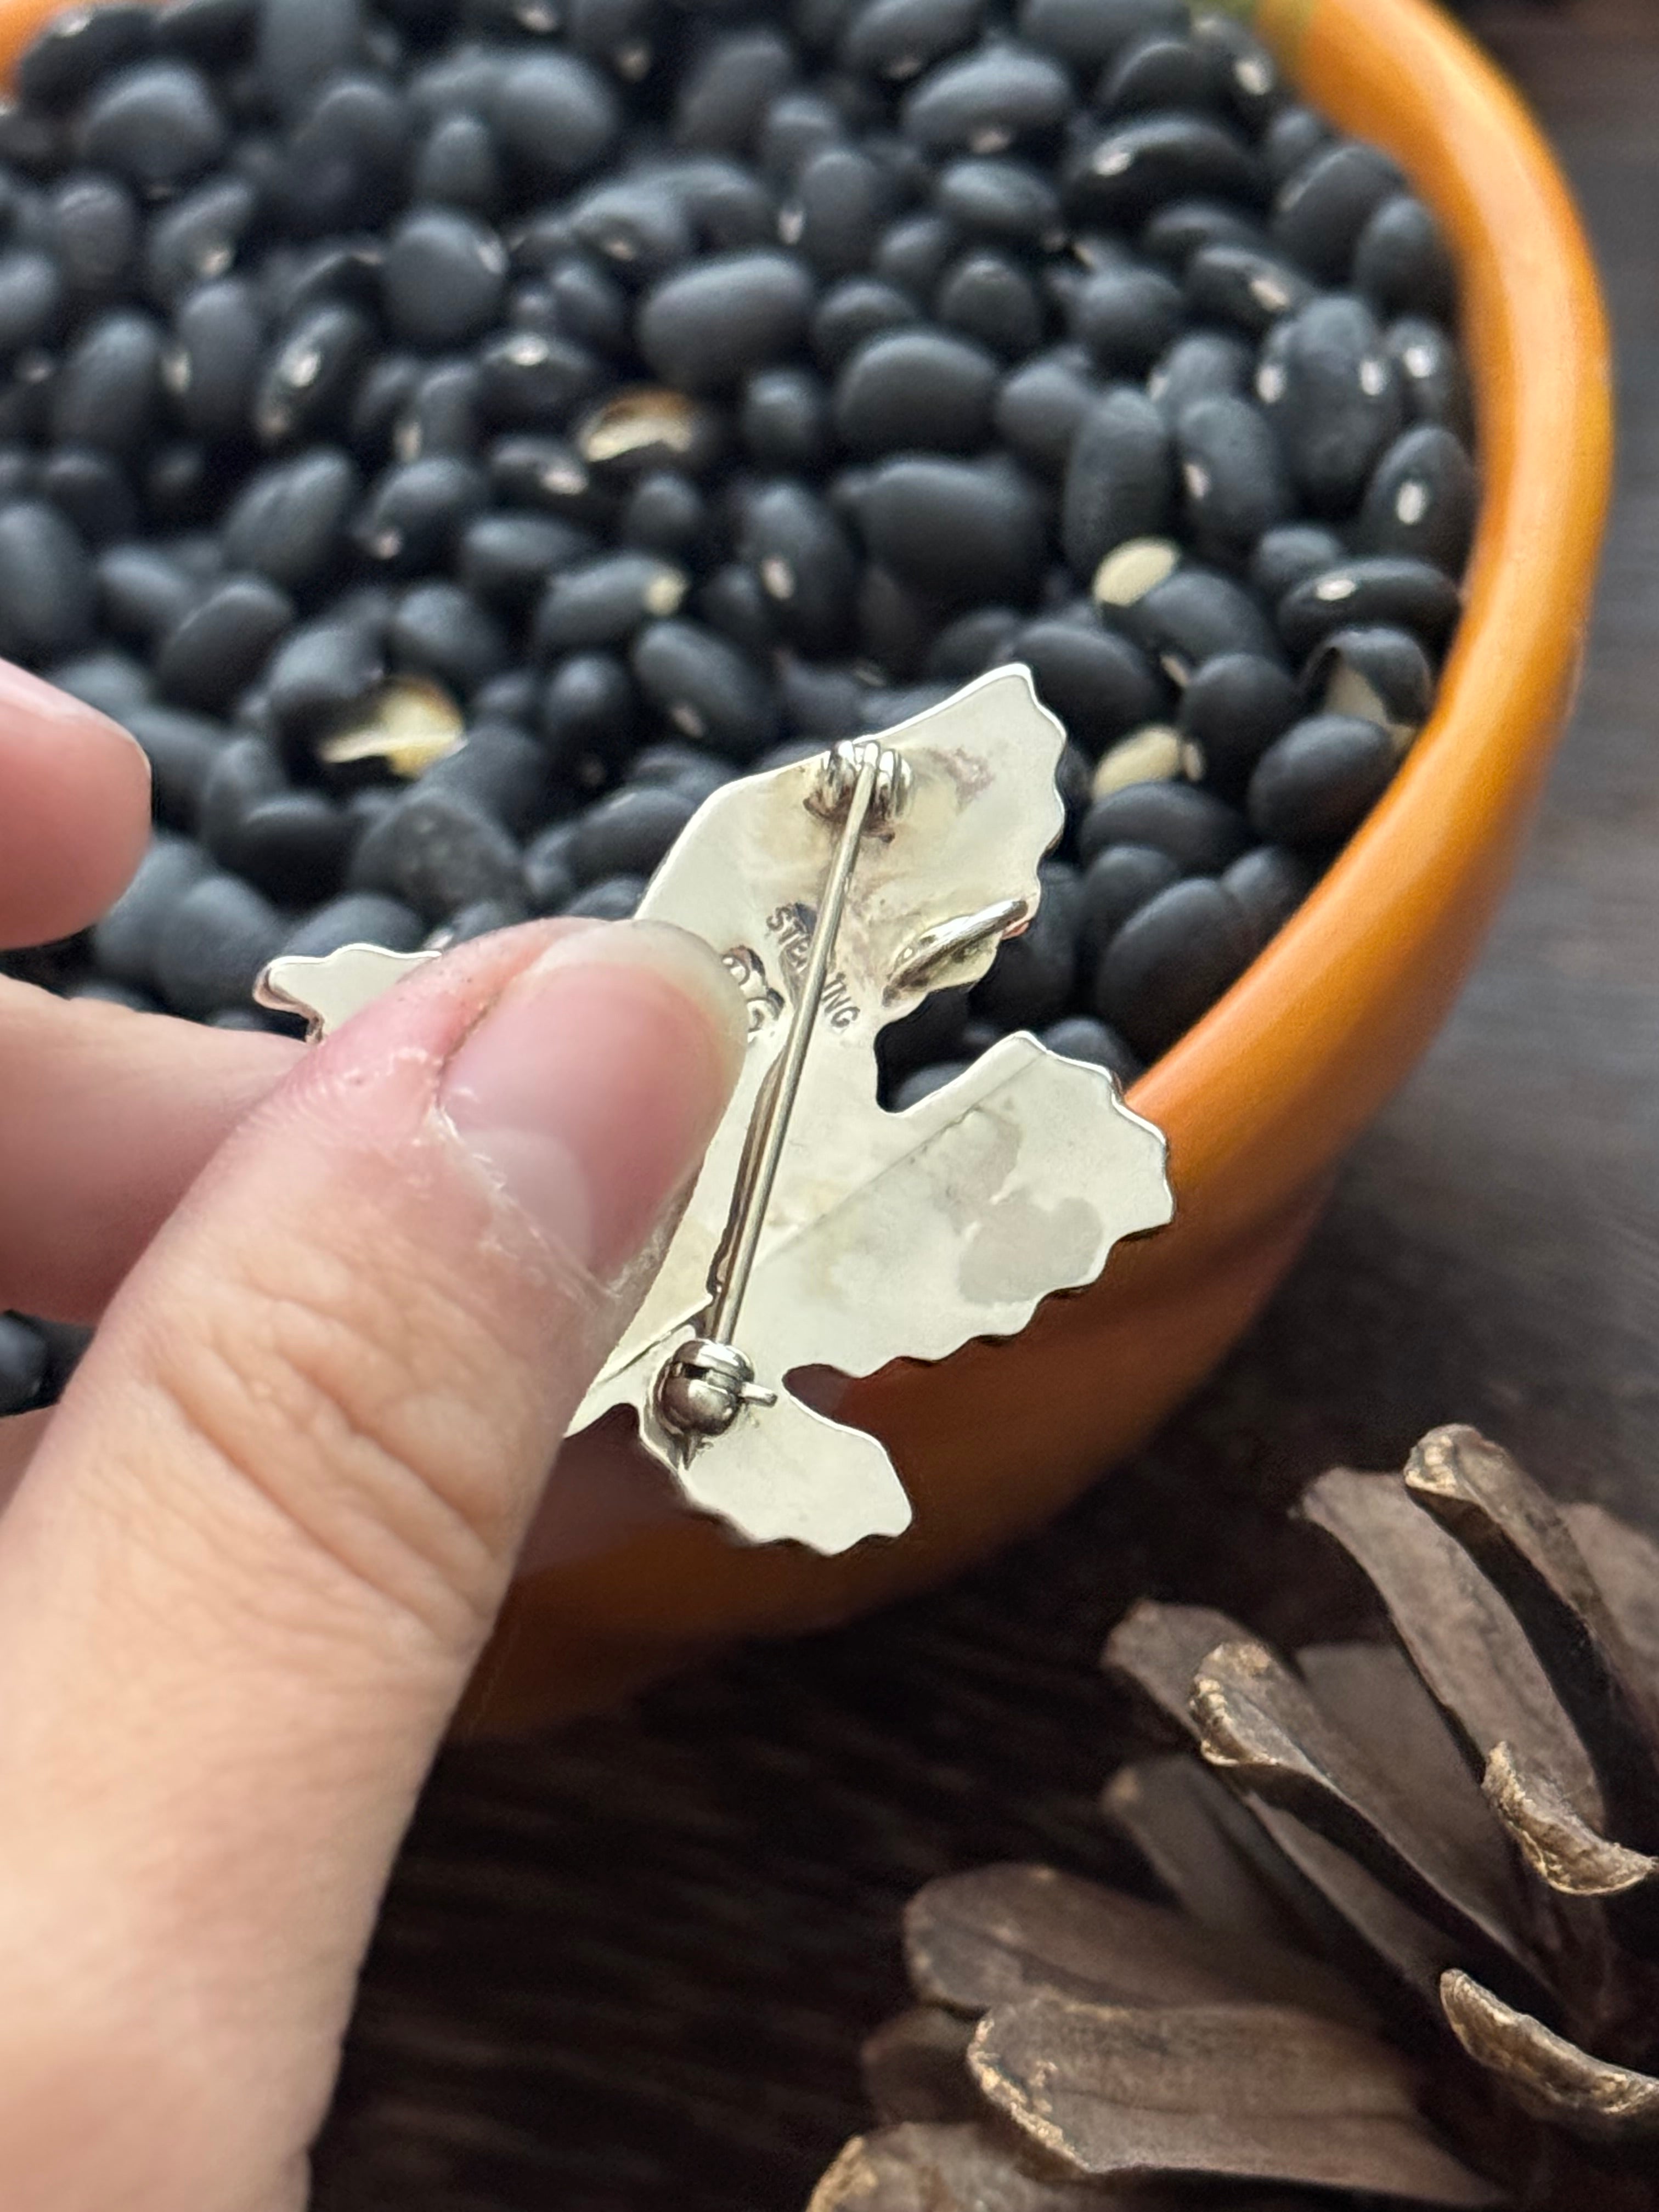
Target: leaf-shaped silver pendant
824,1232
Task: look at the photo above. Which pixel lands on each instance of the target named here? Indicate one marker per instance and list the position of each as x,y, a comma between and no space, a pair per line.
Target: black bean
181,749
1009,202
445,277
109,387
141,592
982,638
1421,500
305,383
345,161
441,630
437,852
1380,674
509,698
1169,963
125,938
603,601
1232,474
628,833
293,847
357,918
440,410
853,312
706,687
637,225
1290,554
785,420
1163,70
1234,707
1204,365
1292,140
114,683
1244,286
734,601
48,594
1120,479
687,767
589,305
1386,588
1029,982
319,675
723,96
1321,210
1095,1043
244,772
916,388
987,297
1199,831
1089,32
532,380
458,166
1400,263
506,558
1182,228
962,530
198,236
550,881
334,272
221,644
614,899
31,296
894,622
156,124
915,252
212,367
91,490
211,943
483,917
67,57
795,127
22,1360
711,326
1125,317
415,512
1125,173
728,207
554,115
622,34
1100,684
1433,374
301,42
499,770
94,229
1117,882
924,1035
1040,406
178,484
836,211
1331,390
207,31
805,563
665,512
588,714
1317,782
1268,884
288,520
1195,614
896,39
985,102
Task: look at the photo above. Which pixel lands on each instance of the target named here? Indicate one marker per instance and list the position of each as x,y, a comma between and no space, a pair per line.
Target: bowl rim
1401,75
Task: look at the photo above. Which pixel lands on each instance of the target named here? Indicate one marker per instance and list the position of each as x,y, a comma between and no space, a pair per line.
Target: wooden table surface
629,1969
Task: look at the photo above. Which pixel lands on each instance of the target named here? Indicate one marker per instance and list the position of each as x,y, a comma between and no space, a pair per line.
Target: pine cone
1415,1948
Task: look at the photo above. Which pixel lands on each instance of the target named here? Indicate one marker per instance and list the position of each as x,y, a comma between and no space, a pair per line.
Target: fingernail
590,1090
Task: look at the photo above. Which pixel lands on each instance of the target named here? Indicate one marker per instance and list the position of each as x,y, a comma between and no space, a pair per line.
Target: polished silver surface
823,1232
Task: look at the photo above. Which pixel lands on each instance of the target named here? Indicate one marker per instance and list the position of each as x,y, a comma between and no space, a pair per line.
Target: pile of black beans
645,393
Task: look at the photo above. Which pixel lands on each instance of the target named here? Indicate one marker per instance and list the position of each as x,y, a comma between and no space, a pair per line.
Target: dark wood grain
629,1970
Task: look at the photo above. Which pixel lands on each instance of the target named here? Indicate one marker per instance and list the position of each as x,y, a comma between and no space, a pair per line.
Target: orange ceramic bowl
1262,1099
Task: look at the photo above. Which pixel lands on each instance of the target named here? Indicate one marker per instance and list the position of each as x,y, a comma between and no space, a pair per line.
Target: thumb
262,1544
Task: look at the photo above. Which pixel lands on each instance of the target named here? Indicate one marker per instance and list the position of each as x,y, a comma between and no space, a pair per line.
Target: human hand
251,1557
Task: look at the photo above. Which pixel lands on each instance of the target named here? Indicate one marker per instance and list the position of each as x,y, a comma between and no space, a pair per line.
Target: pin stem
774,1126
